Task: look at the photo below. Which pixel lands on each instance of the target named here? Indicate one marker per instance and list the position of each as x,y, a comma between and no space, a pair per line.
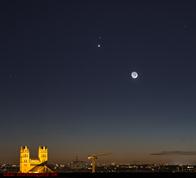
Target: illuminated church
28,165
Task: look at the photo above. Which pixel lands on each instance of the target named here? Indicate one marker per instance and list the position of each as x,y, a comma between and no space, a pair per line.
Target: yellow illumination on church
28,165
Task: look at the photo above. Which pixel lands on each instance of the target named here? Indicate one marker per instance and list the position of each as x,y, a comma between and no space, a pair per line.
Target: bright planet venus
134,75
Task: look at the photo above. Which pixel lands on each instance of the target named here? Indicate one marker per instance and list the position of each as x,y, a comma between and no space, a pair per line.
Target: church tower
24,159
43,154
28,165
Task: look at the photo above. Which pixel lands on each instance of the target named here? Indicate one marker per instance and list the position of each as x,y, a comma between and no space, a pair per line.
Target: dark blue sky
59,89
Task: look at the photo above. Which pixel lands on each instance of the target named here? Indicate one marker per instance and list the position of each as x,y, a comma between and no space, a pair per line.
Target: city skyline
65,75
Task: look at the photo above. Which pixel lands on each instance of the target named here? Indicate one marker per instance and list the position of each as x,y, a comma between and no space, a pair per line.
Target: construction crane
94,158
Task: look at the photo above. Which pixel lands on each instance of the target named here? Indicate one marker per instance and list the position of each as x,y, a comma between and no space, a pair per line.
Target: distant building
28,165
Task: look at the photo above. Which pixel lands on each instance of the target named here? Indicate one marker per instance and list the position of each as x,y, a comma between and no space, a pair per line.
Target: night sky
65,79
